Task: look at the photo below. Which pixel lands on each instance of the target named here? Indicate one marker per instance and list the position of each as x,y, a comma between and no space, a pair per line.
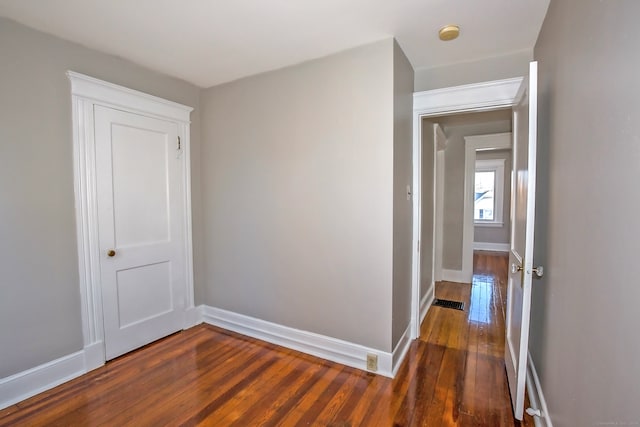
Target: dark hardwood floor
453,375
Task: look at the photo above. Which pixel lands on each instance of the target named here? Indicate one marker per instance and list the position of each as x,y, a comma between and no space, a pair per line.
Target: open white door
522,227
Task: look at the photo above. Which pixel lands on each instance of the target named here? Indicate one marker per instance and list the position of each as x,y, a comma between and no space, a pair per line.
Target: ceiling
208,42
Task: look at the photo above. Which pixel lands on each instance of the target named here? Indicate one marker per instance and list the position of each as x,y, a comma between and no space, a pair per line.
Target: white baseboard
536,397
454,276
322,346
425,302
400,351
494,247
28,383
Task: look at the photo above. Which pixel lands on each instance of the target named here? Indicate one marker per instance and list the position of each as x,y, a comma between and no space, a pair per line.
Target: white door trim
85,93
441,145
468,98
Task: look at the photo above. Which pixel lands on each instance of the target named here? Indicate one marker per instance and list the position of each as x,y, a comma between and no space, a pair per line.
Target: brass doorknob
111,252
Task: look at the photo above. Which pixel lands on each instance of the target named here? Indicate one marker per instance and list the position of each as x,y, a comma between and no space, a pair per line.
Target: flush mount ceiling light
449,32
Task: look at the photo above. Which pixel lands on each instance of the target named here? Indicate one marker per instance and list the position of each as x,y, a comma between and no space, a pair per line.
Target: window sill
488,224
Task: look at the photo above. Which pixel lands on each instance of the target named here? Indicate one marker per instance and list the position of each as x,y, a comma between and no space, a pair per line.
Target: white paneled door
141,233
522,232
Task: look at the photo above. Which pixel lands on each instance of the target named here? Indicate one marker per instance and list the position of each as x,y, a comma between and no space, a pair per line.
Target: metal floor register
456,305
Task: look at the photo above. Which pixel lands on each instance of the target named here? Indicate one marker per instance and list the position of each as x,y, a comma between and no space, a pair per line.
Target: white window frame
496,166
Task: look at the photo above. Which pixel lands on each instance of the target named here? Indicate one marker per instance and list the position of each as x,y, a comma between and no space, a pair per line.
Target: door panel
140,217
135,284
522,228
140,190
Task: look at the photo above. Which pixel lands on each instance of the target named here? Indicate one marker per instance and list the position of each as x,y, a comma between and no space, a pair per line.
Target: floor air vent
449,304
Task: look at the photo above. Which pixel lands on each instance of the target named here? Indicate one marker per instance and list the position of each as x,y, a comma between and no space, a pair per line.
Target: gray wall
497,234
515,64
584,321
456,129
298,195
299,214
427,202
402,176
39,293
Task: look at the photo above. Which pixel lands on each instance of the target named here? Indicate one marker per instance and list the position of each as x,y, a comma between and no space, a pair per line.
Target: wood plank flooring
453,375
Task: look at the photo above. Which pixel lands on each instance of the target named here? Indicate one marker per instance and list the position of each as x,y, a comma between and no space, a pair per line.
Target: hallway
452,376
468,347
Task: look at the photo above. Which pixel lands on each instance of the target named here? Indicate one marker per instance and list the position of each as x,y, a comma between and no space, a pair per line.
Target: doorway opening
475,98
520,95
469,214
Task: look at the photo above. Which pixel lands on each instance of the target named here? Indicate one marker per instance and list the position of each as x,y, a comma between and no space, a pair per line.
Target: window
484,205
489,192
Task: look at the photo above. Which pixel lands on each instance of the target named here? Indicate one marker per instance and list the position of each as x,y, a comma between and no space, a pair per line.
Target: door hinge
179,143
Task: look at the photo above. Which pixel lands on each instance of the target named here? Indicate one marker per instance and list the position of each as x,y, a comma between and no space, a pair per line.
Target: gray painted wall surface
402,176
497,234
584,321
454,185
427,201
39,294
298,195
515,64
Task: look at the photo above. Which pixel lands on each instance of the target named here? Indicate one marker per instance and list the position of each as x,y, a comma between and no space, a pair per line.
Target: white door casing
459,99
441,145
522,238
139,174
90,95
